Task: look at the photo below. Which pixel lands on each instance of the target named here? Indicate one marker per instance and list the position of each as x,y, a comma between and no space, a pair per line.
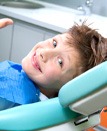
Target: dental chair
76,108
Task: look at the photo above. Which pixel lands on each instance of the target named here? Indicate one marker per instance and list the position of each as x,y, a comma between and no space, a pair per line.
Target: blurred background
38,20
97,7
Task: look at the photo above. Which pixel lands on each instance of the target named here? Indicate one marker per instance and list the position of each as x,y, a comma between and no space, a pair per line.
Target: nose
47,54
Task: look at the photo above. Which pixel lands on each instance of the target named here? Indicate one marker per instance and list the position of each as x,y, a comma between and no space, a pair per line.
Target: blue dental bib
15,85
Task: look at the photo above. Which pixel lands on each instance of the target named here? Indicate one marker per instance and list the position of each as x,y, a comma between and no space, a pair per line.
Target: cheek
52,74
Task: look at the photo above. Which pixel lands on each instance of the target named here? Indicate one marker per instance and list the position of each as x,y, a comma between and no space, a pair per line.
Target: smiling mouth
35,62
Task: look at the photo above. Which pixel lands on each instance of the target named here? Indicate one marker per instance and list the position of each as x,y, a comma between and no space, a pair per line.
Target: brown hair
90,44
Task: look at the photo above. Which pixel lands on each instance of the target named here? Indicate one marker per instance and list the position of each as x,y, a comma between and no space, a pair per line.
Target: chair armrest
35,116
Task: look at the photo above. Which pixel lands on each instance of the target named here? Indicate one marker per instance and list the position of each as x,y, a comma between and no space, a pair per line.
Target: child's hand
5,21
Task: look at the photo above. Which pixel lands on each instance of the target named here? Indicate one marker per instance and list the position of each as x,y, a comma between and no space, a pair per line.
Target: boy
51,64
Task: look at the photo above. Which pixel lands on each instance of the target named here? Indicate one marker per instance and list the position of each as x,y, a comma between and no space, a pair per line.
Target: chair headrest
83,85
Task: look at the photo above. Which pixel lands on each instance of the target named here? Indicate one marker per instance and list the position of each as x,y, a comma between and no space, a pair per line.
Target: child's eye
60,62
54,43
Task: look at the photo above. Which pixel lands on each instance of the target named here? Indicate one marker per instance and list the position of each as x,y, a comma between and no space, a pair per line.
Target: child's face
51,63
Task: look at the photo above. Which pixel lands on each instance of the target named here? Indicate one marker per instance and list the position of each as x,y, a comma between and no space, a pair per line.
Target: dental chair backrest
81,96
87,93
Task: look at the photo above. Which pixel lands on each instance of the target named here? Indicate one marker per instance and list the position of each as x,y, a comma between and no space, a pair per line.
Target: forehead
62,37
65,41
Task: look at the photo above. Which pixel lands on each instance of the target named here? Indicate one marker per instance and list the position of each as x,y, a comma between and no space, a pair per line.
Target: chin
24,65
22,62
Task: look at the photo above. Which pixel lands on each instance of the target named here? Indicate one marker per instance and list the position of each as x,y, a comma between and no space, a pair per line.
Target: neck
50,93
